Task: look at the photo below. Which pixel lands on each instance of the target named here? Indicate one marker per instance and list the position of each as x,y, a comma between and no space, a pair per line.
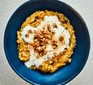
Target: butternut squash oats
46,41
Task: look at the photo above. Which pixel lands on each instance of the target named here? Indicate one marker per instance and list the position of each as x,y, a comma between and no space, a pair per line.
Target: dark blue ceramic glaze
79,57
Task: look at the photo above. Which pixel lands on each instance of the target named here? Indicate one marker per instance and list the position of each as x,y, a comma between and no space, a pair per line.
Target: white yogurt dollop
59,31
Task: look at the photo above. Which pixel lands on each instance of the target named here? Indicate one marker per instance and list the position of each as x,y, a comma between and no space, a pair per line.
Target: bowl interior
79,57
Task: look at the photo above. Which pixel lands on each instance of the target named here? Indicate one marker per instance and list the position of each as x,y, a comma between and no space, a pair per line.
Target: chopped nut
41,36
54,25
54,41
27,35
30,32
36,37
53,33
55,46
41,50
49,28
48,36
61,38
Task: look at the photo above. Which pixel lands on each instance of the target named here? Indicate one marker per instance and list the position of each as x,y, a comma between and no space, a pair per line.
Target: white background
9,77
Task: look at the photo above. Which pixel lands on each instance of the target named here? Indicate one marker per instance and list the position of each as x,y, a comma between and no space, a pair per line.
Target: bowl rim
88,50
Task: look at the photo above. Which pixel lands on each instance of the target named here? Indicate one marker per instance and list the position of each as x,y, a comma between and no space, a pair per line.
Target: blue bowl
79,57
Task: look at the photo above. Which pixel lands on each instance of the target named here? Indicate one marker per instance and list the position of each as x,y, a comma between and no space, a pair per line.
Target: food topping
48,39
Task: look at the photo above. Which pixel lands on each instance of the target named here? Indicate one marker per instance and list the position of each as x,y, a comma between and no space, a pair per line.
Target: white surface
9,77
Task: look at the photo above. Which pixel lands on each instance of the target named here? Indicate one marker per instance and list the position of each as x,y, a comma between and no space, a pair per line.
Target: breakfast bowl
80,53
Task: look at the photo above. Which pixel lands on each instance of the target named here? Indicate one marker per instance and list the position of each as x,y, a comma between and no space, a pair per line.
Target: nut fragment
30,32
61,38
27,35
54,44
54,25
